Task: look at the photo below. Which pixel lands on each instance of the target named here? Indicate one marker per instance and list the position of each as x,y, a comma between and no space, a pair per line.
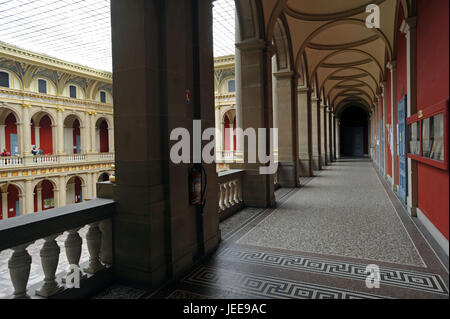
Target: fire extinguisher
197,187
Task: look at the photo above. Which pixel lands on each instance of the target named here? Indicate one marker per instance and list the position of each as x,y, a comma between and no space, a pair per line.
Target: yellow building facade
56,131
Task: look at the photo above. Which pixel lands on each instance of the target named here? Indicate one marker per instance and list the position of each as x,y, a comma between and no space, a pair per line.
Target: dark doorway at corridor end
354,135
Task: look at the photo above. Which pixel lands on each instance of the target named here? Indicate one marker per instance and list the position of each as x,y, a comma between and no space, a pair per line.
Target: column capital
284,74
408,24
26,105
253,45
303,90
60,109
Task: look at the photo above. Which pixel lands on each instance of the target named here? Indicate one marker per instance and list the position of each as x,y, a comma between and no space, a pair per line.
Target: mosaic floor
317,243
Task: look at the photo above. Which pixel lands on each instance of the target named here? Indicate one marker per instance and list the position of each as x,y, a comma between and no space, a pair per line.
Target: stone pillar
256,110
29,197
5,205
323,134
59,131
329,133
304,127
239,154
62,190
87,132
285,115
408,27
2,137
392,65
22,204
111,139
39,198
338,137
386,133
26,151
158,237
93,133
315,133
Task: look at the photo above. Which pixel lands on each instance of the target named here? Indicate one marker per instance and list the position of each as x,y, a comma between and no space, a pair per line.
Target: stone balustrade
39,160
19,233
230,192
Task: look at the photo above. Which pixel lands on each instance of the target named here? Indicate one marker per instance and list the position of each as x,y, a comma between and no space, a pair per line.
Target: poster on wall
49,203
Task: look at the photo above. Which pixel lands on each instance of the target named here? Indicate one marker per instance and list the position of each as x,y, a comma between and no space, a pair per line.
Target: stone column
39,198
22,204
93,133
5,205
323,134
286,123
338,137
111,139
59,131
408,27
2,137
62,190
329,133
26,151
392,65
29,197
256,110
315,133
160,236
305,131
87,132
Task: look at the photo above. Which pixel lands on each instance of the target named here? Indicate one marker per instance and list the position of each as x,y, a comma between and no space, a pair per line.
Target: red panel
432,88
104,138
13,196
33,133
388,121
77,190
234,134
10,128
47,192
45,135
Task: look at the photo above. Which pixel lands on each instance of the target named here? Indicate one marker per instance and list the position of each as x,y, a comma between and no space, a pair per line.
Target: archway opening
102,136
9,139
44,198
103,177
74,193
42,133
10,204
354,132
72,135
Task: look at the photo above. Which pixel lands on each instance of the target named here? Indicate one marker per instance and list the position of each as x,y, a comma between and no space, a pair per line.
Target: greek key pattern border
389,276
259,286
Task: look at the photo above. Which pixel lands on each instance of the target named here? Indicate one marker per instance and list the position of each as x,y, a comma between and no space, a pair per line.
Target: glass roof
79,30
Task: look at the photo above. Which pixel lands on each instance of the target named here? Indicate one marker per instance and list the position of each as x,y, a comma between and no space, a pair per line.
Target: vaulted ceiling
346,58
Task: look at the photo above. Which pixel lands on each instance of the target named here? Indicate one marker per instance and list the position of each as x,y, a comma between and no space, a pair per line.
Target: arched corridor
353,126
72,135
10,204
102,136
74,192
44,196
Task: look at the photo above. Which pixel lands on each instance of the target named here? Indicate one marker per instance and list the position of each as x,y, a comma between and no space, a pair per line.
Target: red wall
45,135
13,196
33,134
388,121
104,142
47,193
76,132
10,128
432,88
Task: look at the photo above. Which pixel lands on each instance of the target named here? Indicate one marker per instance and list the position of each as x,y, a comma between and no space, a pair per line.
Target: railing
31,160
44,159
230,192
21,232
11,161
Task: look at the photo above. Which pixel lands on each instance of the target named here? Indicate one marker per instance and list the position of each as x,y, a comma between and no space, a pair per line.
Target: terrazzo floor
315,244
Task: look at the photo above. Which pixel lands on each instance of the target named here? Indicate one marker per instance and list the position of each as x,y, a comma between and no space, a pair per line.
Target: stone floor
316,243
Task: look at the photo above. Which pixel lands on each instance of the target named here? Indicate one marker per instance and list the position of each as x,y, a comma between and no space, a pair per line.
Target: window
428,136
102,97
232,86
4,79
433,137
414,138
73,91
42,86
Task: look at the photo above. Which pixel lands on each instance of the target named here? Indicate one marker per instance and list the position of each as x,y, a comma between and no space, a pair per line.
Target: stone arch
283,46
250,20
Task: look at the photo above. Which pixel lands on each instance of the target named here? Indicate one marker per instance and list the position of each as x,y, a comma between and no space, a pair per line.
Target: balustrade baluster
227,197
19,270
221,197
94,238
73,245
231,193
49,259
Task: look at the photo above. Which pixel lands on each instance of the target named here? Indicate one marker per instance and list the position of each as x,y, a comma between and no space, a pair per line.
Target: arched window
73,91
42,86
232,86
103,97
4,79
